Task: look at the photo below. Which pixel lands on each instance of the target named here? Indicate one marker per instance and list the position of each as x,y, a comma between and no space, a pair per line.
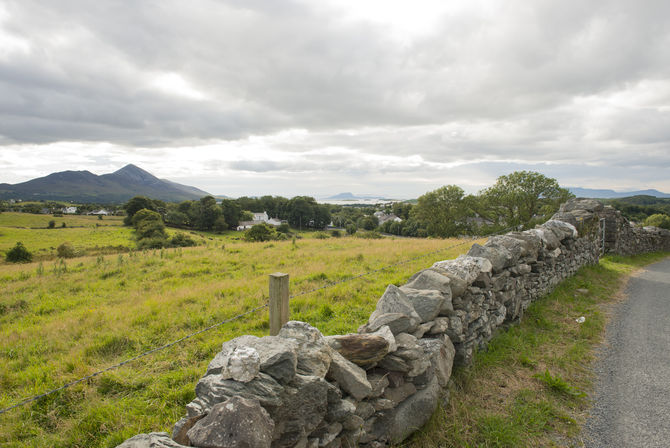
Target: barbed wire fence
231,319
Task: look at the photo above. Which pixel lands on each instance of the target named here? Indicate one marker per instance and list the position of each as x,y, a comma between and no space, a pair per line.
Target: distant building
259,218
69,210
100,212
383,217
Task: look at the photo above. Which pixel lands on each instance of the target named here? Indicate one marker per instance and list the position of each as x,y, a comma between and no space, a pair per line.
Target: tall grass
60,321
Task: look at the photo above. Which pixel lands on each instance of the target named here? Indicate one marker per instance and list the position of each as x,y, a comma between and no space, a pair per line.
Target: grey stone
499,256
385,332
181,428
549,239
236,422
426,302
379,383
383,404
277,355
399,394
304,407
430,279
314,354
243,365
365,410
349,376
440,325
353,422
562,229
213,389
151,440
442,353
395,301
399,423
423,329
340,411
530,243
465,267
395,364
397,323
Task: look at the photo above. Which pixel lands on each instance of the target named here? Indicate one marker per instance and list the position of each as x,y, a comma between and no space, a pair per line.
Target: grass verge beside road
530,388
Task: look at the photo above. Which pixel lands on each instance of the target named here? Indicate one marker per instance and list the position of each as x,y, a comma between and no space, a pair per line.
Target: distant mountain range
84,186
611,194
350,197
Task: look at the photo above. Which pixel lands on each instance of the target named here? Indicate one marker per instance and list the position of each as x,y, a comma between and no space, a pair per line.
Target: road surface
632,393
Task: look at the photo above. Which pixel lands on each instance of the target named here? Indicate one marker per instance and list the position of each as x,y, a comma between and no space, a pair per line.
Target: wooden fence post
278,302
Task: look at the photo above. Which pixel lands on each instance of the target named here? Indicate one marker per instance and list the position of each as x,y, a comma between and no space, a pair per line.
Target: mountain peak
135,174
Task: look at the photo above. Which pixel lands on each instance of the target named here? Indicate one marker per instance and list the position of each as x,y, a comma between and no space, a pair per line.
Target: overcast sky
319,97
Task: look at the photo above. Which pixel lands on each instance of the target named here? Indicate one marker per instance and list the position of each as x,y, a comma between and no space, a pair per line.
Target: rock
562,229
466,268
440,325
399,423
590,205
513,245
426,302
340,411
234,423
328,433
243,365
361,349
213,389
151,440
379,383
349,376
383,404
277,355
549,239
530,243
314,354
365,410
423,329
386,333
395,364
182,427
304,407
441,352
396,322
395,301
353,422
399,394
429,279
499,256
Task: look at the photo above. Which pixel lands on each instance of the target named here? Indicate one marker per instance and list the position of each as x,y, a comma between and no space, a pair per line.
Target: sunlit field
62,320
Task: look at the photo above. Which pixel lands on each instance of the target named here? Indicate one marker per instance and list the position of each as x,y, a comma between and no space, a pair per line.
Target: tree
208,213
441,212
138,203
149,229
260,232
658,220
231,212
19,254
521,197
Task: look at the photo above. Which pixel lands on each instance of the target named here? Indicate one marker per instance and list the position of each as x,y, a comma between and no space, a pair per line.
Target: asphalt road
632,393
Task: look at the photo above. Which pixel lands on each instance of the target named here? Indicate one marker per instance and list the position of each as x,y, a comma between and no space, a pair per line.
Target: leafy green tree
19,254
368,222
149,229
522,197
442,212
138,203
182,240
208,213
231,212
66,250
51,225
220,224
261,232
246,215
658,220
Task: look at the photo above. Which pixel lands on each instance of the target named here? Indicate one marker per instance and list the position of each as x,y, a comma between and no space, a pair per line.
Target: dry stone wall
377,386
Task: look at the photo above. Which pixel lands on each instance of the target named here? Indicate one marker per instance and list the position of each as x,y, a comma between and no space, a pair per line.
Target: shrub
99,217
66,250
351,229
63,225
51,224
284,228
658,220
19,254
321,235
58,215
151,243
182,240
260,232
369,235
335,233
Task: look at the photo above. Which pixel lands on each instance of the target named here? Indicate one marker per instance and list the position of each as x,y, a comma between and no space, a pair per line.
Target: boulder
399,423
214,389
349,376
499,256
243,365
562,229
590,205
304,408
277,355
151,440
530,243
465,267
426,302
181,429
429,279
513,245
396,322
395,301
548,238
234,423
313,353
441,352
399,394
361,349
387,334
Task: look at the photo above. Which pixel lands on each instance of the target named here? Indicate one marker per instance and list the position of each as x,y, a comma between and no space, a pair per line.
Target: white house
100,212
263,217
69,210
383,217
259,218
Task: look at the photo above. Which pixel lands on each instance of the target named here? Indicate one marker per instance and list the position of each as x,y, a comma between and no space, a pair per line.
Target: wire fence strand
218,324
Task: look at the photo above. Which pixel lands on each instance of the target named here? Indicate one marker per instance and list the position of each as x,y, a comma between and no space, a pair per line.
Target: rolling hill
84,186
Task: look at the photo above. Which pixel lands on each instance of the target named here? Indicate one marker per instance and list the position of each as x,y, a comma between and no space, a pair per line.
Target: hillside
84,186
611,194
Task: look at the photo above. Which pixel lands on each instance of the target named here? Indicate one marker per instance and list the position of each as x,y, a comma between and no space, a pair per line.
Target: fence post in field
278,302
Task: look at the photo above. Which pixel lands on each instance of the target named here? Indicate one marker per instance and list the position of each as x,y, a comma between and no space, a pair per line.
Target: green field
60,321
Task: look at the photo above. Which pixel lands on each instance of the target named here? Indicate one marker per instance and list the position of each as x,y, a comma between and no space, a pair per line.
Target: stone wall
377,386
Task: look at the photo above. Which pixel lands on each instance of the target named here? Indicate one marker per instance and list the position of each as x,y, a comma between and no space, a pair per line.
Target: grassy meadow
62,320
